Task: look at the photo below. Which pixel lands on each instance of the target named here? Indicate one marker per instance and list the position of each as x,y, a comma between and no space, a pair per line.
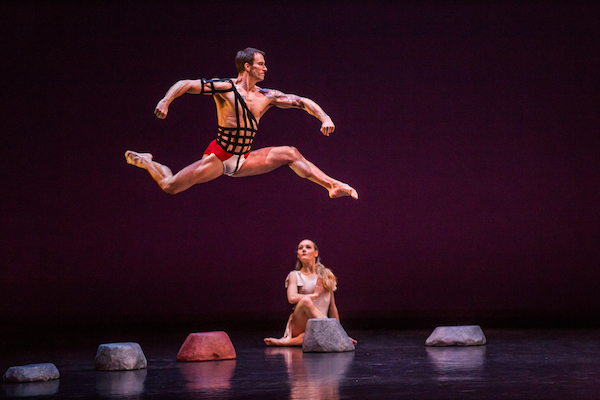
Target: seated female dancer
310,287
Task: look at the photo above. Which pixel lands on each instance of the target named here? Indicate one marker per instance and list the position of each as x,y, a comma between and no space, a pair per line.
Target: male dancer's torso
238,113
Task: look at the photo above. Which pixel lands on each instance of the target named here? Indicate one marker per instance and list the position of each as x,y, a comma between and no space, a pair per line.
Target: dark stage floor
515,364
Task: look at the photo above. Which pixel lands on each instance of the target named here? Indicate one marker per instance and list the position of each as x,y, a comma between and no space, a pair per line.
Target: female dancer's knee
305,302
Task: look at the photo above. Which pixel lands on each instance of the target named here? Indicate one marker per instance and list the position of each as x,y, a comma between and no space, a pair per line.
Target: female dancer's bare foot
138,159
341,189
281,342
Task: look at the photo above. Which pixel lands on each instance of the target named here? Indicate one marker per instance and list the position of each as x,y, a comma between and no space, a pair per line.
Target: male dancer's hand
327,127
162,109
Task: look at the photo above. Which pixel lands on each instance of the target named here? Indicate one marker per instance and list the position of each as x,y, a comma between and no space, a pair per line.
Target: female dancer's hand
318,288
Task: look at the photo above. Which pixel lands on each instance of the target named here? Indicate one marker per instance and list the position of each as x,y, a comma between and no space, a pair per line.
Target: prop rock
120,357
465,335
206,346
31,373
325,335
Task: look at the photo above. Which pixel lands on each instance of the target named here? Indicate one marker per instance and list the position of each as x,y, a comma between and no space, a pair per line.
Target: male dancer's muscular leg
269,158
204,170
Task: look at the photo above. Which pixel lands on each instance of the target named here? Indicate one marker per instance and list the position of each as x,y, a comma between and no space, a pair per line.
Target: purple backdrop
469,130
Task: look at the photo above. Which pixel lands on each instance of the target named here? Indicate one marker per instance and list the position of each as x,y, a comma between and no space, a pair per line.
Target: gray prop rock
120,357
32,373
463,335
325,335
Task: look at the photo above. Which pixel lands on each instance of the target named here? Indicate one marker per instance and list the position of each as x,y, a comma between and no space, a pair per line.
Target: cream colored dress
307,285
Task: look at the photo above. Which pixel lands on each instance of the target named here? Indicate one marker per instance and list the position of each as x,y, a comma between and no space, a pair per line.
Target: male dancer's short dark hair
246,56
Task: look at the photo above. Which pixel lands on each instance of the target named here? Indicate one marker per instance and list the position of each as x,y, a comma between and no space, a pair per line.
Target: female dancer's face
307,251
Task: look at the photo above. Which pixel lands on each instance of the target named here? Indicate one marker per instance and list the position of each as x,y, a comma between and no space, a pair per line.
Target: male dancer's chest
255,102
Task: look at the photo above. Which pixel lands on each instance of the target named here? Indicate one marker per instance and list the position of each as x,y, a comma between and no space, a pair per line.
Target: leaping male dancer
240,105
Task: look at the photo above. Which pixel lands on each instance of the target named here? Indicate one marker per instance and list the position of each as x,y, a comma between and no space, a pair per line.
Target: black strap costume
242,136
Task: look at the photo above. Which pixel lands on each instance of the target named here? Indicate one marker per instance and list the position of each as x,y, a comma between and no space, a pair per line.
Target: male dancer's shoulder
270,93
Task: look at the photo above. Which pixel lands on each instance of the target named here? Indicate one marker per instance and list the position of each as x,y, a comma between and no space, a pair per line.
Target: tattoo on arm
292,99
296,101
271,94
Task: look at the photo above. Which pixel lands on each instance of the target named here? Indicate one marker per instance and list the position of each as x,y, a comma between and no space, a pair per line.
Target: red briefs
231,162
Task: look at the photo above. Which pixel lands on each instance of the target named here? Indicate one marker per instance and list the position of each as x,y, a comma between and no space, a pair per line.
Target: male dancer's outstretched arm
191,86
282,100
178,89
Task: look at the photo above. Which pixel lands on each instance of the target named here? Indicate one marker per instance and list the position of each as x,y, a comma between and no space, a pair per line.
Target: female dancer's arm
333,311
292,290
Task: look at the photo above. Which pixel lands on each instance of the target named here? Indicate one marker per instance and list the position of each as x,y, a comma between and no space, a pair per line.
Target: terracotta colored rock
206,346
462,335
32,373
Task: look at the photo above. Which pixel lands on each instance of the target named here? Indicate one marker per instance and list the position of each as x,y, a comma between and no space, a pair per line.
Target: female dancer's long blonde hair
327,276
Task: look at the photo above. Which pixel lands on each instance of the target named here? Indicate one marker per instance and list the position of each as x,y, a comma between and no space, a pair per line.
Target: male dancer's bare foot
341,189
138,159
